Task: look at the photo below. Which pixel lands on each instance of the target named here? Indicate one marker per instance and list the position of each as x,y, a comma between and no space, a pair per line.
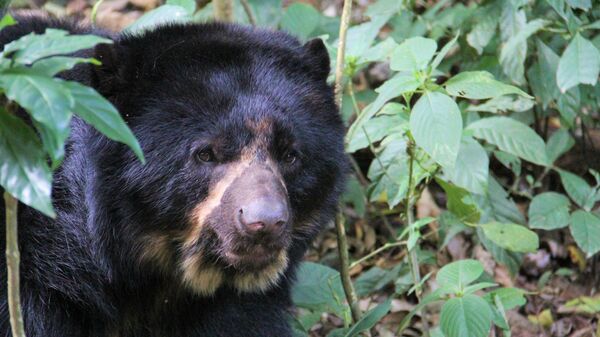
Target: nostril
280,224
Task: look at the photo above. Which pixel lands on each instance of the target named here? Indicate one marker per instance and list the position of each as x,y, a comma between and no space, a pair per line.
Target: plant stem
344,268
249,12
12,264
340,60
412,254
223,10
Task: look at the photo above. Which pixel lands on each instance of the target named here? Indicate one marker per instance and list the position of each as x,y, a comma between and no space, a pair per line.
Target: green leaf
319,288
188,5
100,113
468,316
513,237
558,144
436,125
480,85
569,105
580,63
161,15
460,202
548,63
482,33
440,56
413,54
374,130
511,136
510,297
514,51
471,169
549,211
370,318
33,47
6,21
23,169
362,36
504,104
578,189
457,275
53,65
580,4
394,87
48,102
301,20
513,61
585,228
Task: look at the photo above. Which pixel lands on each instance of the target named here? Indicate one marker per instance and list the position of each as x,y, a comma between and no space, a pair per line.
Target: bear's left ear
111,76
318,58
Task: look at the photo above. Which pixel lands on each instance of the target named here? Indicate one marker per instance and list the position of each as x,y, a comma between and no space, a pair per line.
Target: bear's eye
290,157
205,155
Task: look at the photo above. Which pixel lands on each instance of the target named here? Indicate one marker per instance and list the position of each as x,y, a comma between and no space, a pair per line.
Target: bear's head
244,148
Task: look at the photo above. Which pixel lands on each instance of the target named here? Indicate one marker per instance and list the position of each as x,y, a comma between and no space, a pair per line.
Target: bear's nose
266,215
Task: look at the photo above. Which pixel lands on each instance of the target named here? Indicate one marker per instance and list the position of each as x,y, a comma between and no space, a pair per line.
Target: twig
376,252
249,12
412,255
340,60
344,269
223,10
12,264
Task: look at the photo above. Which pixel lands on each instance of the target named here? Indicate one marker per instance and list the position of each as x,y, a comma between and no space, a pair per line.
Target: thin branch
12,263
412,254
344,269
340,61
249,12
223,10
339,223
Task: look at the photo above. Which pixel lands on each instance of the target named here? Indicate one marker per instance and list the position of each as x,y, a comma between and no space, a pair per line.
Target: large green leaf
394,87
480,85
362,36
510,297
161,15
558,144
301,20
504,104
457,275
370,318
548,63
33,47
580,63
98,112
585,228
513,237
51,66
512,22
514,51
511,136
460,202
436,125
48,102
485,29
189,5
413,54
578,189
467,316
548,211
374,130
472,167
319,287
23,169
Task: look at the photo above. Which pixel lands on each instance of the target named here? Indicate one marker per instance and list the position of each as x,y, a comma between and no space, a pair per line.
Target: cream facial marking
261,281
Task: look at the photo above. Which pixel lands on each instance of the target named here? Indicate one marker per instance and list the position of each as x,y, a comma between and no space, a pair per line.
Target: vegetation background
473,129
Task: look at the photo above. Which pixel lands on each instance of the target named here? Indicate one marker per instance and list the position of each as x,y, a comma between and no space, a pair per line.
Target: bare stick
223,10
344,269
412,254
339,66
12,264
249,12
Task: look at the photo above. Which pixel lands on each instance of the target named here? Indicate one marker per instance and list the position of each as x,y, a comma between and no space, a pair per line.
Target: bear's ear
318,58
110,77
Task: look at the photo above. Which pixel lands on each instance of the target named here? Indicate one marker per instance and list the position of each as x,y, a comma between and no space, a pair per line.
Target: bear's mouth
251,259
